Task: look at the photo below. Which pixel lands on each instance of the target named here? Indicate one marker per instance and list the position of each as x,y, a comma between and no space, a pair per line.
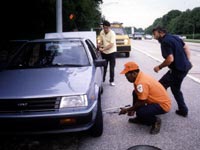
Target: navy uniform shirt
171,44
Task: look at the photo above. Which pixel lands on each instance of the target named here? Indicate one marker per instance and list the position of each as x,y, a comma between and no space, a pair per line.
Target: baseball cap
129,66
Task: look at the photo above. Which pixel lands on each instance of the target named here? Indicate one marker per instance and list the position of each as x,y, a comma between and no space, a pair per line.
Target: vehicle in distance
181,36
148,37
123,41
52,86
137,36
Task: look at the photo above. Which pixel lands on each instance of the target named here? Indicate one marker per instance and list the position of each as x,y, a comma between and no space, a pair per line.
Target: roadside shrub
190,36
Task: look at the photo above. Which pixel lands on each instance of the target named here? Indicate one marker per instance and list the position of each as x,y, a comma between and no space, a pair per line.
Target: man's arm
107,47
165,63
187,51
137,105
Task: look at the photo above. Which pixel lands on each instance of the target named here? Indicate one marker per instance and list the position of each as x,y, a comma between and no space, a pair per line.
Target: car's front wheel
97,129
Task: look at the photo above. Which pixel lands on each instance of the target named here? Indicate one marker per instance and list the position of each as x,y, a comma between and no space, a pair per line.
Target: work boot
155,129
134,120
182,113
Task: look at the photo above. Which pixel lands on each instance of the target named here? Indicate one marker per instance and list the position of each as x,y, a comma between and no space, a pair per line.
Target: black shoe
134,120
155,129
182,113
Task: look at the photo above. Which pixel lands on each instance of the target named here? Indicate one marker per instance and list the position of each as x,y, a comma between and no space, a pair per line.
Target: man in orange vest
149,98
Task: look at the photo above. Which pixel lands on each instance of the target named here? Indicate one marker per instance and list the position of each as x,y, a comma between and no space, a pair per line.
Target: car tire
97,129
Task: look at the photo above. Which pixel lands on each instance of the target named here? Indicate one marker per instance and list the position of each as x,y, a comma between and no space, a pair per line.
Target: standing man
177,57
107,46
149,98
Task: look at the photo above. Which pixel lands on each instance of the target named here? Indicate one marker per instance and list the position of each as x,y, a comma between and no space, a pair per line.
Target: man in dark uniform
177,57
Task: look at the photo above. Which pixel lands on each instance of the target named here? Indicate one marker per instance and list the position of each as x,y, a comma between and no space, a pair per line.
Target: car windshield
50,54
119,31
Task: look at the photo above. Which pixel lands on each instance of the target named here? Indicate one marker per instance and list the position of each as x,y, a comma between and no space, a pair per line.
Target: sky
142,13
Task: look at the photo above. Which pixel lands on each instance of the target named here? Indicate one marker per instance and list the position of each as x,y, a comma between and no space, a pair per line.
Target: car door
98,73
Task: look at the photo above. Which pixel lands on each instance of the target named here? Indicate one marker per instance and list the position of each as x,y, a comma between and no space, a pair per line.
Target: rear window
119,31
50,54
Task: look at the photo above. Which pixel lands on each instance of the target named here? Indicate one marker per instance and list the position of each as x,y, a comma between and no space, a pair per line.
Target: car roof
57,39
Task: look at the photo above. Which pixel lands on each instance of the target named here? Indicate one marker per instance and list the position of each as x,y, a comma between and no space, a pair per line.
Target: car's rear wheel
97,129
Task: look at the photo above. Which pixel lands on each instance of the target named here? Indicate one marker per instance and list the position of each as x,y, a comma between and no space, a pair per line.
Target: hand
131,113
101,49
123,111
156,69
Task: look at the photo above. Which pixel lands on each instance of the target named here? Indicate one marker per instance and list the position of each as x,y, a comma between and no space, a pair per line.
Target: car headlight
74,101
126,41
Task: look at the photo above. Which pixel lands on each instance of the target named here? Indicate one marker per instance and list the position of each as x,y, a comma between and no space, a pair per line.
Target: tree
177,22
26,19
166,19
87,14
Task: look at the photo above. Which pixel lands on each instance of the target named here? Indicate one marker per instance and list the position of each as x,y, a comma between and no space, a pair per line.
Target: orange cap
129,66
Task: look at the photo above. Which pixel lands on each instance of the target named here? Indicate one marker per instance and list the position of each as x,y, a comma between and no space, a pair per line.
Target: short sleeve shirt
147,88
108,38
171,44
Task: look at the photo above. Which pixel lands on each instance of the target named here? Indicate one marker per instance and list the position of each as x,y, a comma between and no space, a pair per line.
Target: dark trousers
110,58
174,79
147,113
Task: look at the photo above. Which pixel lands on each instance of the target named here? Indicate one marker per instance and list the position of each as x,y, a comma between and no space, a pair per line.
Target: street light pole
59,16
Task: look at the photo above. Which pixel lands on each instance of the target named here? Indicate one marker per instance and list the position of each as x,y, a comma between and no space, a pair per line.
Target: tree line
32,19
177,22
27,19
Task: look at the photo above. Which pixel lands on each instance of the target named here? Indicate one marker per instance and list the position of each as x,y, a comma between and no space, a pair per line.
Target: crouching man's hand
131,113
123,111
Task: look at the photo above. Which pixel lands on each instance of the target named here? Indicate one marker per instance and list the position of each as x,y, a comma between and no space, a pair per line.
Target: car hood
44,82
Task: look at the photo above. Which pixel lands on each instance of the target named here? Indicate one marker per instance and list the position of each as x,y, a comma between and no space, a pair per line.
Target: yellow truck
122,39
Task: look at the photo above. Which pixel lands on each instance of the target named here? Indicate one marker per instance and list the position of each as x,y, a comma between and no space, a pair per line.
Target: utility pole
59,16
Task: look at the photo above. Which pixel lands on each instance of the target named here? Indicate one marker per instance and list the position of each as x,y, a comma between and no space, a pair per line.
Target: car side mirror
99,62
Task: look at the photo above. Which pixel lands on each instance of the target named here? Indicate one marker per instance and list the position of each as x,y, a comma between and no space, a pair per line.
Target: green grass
192,40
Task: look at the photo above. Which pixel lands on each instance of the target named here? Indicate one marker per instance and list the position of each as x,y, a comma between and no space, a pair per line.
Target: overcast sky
142,13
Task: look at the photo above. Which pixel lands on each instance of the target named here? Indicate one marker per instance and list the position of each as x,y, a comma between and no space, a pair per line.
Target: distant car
181,36
130,36
53,86
148,37
123,42
137,36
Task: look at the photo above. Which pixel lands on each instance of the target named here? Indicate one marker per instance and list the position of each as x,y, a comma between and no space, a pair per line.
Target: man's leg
178,95
147,115
112,66
166,80
104,56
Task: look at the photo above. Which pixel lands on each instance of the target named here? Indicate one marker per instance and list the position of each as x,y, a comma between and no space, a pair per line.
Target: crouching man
149,98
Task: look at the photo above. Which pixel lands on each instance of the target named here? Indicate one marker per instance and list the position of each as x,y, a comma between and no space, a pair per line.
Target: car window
8,49
119,31
50,54
93,50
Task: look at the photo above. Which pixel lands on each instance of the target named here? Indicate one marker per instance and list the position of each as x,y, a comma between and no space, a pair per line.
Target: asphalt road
177,133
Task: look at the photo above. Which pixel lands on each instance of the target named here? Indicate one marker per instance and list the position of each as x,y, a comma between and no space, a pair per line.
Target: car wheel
97,129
